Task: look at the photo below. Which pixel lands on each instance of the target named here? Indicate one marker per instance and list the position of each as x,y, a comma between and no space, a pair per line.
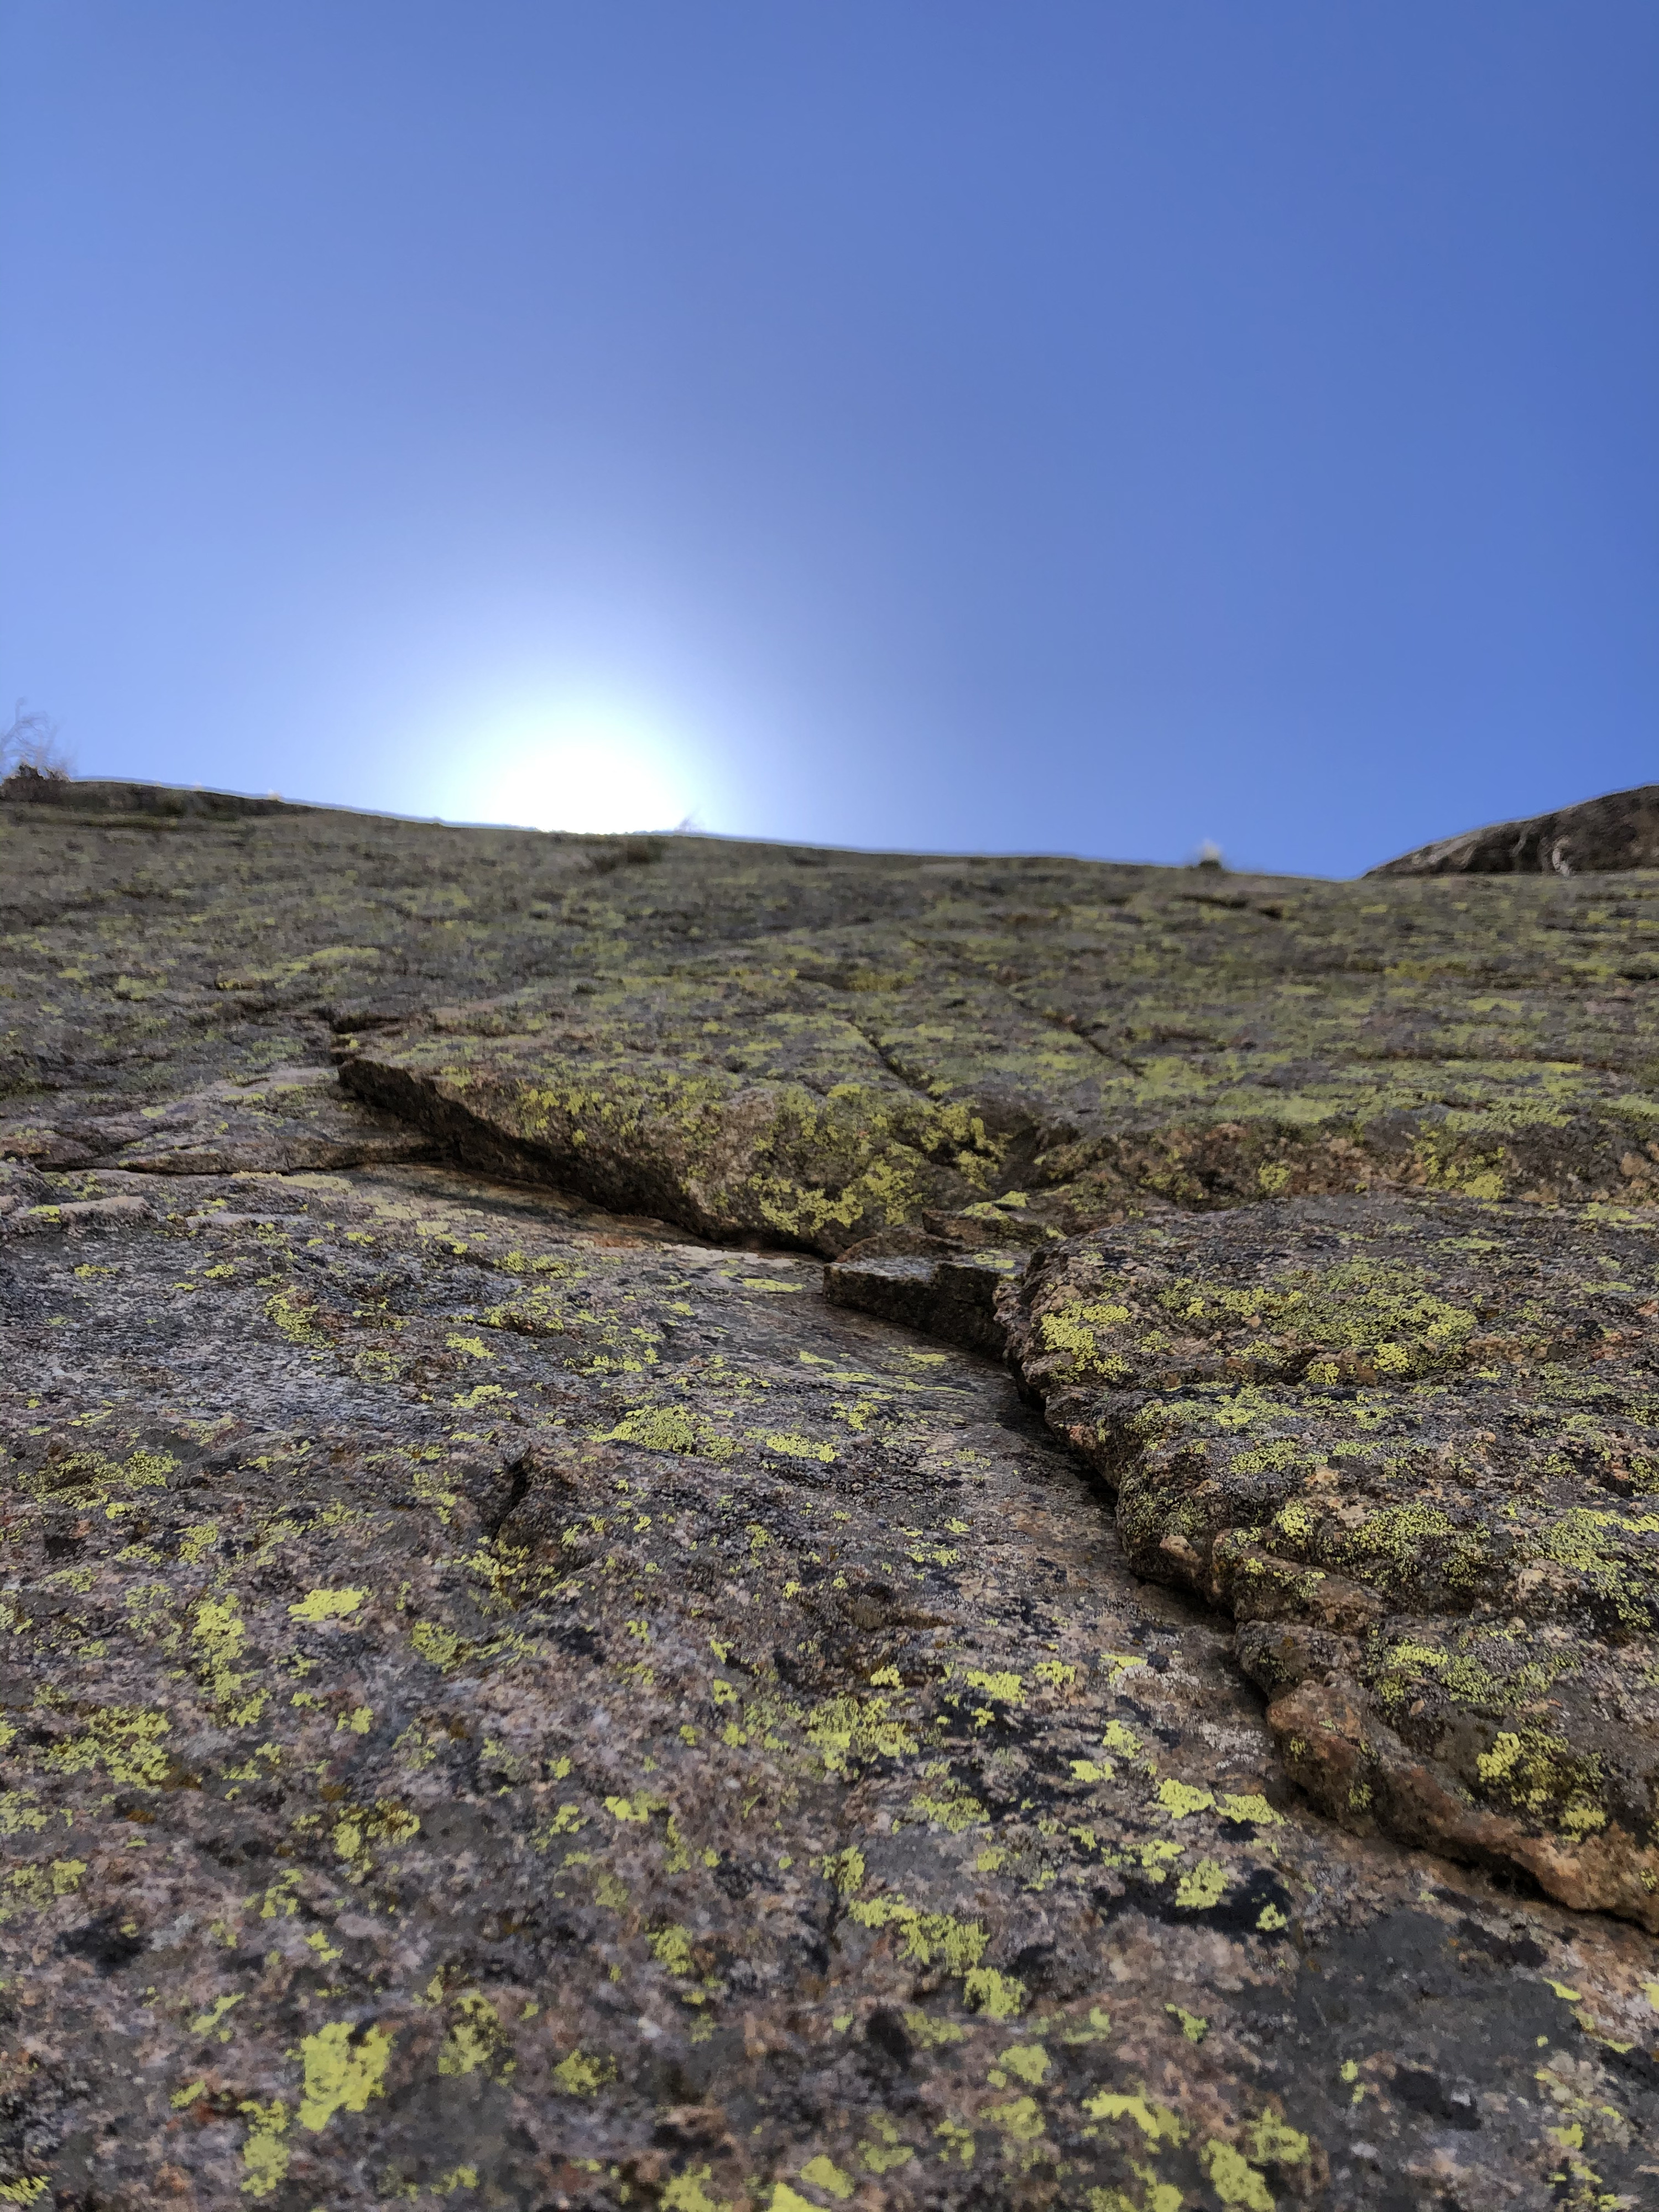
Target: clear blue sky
919,423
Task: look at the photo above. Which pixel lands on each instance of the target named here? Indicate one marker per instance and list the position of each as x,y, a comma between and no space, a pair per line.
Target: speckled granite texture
1132,1687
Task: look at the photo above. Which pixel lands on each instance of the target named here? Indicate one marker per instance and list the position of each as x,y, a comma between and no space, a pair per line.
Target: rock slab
835,1531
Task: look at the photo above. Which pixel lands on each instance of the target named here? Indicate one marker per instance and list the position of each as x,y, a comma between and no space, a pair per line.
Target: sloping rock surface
522,1686
1411,1446
1598,836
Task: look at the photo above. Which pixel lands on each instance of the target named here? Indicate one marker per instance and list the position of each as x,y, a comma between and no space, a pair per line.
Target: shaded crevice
508,1493
1071,1024
889,1061
468,1138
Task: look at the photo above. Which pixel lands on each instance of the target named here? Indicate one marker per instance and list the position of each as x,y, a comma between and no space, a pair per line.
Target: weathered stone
946,1292
506,1702
1415,1445
1598,836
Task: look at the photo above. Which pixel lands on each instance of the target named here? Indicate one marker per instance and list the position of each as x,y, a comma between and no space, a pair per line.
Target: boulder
1597,836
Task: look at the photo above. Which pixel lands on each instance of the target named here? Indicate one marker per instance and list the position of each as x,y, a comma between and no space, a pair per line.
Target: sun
587,767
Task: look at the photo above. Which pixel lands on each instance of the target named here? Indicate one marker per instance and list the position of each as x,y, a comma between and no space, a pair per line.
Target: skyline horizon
899,427
1205,856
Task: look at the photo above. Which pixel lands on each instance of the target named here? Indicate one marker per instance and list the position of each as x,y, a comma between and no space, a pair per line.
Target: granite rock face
1411,1446
1598,836
1059,1039
522,1686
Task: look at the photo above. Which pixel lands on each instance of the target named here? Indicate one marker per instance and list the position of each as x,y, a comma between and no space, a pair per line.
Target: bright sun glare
588,769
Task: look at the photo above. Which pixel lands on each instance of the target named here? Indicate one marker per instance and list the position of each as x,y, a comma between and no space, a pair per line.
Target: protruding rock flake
1412,1446
712,1527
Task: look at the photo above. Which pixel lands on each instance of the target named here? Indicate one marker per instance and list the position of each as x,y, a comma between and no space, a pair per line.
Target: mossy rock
1412,1447
508,1699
